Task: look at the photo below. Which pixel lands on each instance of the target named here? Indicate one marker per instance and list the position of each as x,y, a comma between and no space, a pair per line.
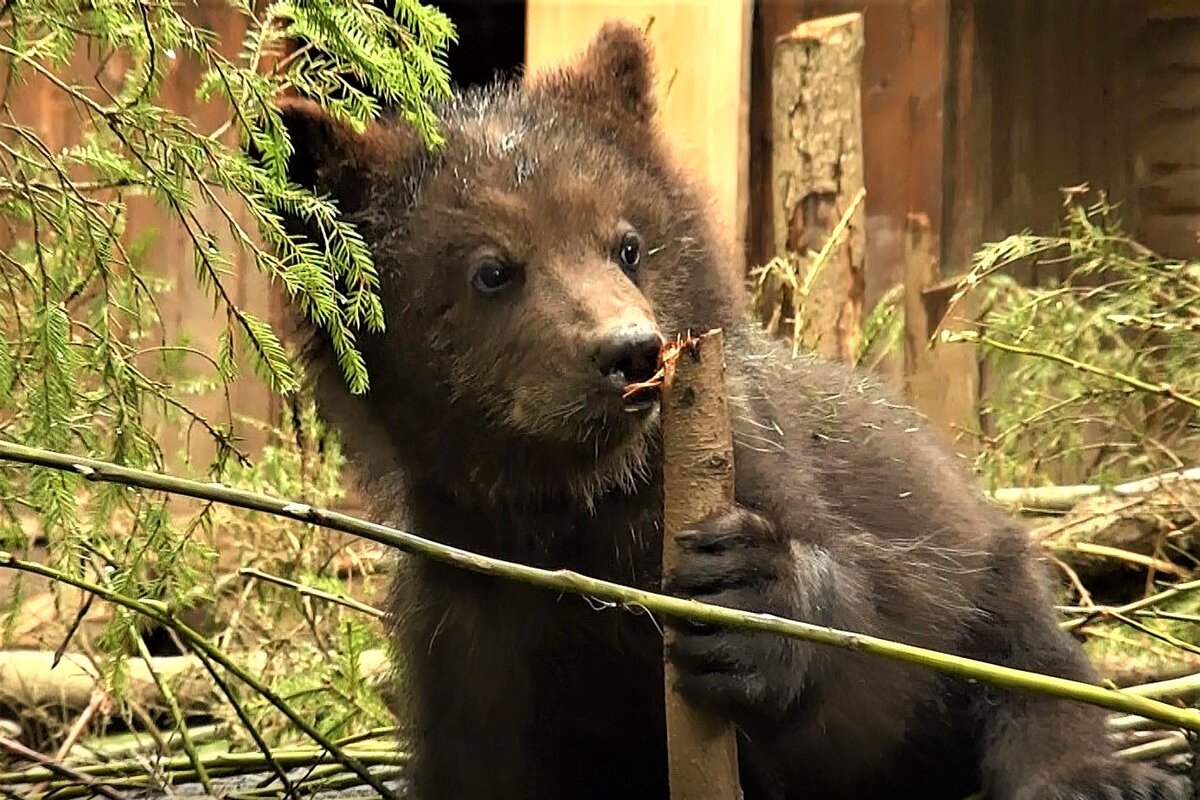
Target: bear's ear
330,157
613,78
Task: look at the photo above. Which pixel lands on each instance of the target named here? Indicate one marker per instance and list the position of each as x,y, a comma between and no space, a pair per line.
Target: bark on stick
697,480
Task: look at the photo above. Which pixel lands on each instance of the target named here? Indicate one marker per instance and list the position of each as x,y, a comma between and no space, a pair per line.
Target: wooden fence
972,114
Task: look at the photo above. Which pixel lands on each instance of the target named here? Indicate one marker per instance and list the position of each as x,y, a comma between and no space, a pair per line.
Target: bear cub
529,271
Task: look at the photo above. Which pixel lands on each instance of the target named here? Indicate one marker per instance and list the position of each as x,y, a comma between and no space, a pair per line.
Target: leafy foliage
780,300
89,362
1095,375
315,648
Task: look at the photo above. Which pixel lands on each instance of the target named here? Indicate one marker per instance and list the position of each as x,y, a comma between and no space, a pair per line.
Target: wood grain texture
817,163
187,311
702,56
697,481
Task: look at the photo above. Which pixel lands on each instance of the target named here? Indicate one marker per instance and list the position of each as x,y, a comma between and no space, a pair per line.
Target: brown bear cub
529,271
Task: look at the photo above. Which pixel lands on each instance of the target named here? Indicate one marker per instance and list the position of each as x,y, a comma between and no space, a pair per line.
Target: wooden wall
1047,92
702,54
974,113
185,309
903,63
1167,118
1048,95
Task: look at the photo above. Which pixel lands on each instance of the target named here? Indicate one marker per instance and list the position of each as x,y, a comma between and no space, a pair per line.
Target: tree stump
817,169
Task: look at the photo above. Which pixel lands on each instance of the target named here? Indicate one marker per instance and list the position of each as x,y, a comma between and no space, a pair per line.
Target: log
1128,526
697,481
1137,669
817,171
1065,498
29,679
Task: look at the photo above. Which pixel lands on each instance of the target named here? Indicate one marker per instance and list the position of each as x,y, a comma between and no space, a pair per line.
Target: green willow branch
1104,612
207,652
1162,389
575,583
309,591
239,709
53,768
189,747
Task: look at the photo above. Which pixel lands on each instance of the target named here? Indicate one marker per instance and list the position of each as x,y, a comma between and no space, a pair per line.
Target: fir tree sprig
88,362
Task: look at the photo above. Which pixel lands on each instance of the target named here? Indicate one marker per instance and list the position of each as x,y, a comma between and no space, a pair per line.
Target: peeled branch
697,481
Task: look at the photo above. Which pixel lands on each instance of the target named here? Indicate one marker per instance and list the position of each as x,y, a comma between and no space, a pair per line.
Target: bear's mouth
641,396
640,405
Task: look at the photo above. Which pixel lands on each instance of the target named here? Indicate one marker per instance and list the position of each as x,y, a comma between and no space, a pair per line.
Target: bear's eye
629,252
492,275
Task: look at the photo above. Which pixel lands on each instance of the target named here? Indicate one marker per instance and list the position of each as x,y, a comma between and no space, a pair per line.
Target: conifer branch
558,580
1098,358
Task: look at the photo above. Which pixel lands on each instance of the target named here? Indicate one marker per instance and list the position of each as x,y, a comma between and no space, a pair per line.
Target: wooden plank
187,311
940,379
1173,9
1060,87
817,166
702,55
1166,130
944,383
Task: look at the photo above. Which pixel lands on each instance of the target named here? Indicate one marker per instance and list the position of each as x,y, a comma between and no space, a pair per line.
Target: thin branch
177,717
1163,389
208,653
98,701
309,591
52,766
561,581
220,763
1146,602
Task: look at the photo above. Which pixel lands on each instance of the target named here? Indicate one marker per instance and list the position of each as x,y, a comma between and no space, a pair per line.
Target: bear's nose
629,355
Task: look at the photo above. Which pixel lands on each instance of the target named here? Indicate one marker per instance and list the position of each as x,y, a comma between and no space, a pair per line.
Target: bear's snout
628,355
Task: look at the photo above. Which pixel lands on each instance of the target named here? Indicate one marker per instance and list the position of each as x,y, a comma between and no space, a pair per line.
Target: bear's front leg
740,559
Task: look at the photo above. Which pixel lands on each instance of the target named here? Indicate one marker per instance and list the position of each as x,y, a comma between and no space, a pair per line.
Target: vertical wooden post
942,381
697,480
817,167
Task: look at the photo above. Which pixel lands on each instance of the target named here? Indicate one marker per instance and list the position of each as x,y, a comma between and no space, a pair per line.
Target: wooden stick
697,480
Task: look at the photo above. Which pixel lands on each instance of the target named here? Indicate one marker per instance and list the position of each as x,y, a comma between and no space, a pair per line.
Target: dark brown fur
484,429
